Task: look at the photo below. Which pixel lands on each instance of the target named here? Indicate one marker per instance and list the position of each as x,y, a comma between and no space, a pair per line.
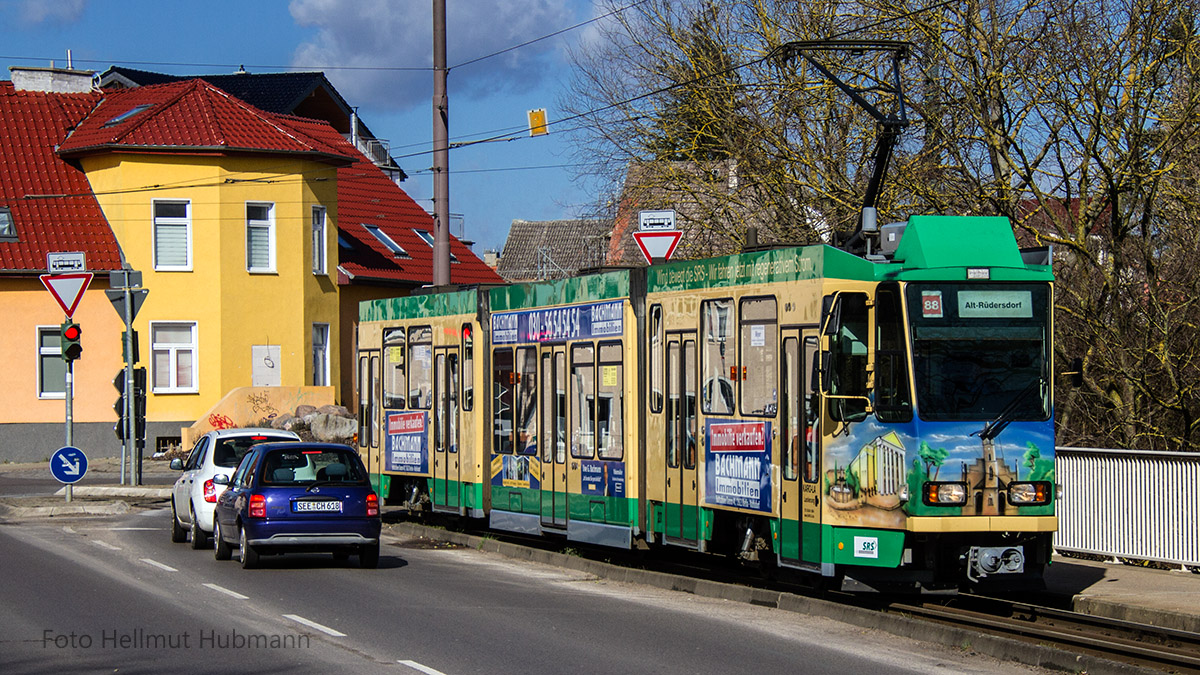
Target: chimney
51,80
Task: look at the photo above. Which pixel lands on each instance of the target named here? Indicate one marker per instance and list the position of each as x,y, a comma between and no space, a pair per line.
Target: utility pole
441,150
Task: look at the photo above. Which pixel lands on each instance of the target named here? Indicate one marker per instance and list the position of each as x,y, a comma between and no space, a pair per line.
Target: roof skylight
427,237
8,227
387,241
127,114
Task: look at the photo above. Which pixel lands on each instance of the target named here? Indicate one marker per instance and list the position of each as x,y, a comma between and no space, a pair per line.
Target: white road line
314,625
69,530
424,669
159,565
135,529
105,544
228,592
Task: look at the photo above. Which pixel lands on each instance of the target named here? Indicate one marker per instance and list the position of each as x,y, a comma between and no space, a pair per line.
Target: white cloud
372,34
60,11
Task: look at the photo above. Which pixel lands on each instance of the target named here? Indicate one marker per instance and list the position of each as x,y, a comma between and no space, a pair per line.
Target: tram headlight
945,494
1029,494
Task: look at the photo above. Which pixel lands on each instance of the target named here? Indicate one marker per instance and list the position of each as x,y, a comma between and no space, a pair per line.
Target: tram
881,422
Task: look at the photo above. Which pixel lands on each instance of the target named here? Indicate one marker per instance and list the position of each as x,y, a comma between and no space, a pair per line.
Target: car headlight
1029,494
945,494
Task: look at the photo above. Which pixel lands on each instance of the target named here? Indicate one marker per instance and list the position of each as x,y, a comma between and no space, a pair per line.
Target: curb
1000,648
90,509
117,491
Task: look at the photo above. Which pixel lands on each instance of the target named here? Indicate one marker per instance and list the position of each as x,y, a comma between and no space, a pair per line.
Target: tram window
452,407
759,343
560,407
848,348
718,361
439,413
812,438
393,367
583,392
527,401
689,403
609,420
674,407
790,407
503,384
893,403
656,359
420,367
468,368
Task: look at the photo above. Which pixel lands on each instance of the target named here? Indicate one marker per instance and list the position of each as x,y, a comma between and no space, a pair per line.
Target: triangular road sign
657,245
67,289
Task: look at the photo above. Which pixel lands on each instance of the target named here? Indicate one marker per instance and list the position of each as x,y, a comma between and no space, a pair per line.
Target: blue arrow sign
68,464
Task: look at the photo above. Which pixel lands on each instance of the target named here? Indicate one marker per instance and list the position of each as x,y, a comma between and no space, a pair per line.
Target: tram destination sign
577,322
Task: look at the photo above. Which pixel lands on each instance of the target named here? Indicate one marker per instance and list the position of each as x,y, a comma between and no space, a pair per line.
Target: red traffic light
72,332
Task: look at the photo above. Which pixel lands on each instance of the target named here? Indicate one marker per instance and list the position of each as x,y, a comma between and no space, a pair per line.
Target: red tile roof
192,114
366,196
32,124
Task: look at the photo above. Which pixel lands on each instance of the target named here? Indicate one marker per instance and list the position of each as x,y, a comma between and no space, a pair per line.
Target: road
114,595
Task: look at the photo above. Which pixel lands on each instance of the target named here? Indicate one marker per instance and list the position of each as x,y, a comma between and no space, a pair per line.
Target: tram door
368,408
552,436
683,513
793,437
446,483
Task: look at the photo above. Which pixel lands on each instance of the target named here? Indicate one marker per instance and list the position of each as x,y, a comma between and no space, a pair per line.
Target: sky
378,54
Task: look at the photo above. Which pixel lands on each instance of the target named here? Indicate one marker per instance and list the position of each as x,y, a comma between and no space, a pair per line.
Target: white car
195,493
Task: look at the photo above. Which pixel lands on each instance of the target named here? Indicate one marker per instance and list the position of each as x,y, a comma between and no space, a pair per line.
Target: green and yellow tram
883,422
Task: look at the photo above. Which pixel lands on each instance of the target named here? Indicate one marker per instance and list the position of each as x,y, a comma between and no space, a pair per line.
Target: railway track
1139,644
1115,640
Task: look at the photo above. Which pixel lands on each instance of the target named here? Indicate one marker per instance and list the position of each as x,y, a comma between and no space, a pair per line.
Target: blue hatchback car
298,497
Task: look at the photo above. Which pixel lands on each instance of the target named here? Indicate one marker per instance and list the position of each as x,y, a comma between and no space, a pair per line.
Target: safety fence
1140,505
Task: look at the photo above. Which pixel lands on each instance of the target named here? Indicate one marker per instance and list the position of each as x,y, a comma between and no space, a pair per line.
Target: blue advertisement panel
407,442
737,464
577,322
602,478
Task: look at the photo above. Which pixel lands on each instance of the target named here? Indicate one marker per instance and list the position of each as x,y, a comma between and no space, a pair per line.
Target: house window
173,357
8,227
52,370
320,354
172,236
318,240
260,237
427,237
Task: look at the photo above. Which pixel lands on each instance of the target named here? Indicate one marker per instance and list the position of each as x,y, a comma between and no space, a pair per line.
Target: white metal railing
1129,504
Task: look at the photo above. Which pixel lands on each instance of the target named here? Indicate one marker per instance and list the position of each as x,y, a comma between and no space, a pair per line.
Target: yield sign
657,244
67,289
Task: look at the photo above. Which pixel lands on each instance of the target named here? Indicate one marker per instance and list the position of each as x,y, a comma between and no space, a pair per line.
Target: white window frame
173,349
54,351
269,226
186,222
320,360
386,240
428,237
320,240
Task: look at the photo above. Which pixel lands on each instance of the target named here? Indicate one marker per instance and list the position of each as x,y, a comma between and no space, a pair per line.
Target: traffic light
139,404
69,340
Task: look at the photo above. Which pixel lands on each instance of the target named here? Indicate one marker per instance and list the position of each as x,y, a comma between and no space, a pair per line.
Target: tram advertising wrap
580,322
738,465
407,442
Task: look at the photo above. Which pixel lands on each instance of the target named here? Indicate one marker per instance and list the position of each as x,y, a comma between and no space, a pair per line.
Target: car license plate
323,506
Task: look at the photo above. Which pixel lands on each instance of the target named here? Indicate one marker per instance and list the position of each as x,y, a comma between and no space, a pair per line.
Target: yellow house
226,211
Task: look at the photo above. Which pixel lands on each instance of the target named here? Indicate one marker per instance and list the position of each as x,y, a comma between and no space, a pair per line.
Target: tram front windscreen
981,351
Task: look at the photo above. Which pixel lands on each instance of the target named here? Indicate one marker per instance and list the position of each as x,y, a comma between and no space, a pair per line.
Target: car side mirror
221,479
177,464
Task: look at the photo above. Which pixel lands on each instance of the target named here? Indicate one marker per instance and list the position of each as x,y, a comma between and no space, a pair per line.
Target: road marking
226,591
105,544
159,565
314,625
69,530
424,669
134,529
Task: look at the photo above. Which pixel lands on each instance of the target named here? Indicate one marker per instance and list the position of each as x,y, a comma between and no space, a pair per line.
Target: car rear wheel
178,534
199,538
221,548
249,555
368,556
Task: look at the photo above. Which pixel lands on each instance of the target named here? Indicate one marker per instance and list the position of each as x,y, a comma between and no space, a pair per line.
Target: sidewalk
1168,598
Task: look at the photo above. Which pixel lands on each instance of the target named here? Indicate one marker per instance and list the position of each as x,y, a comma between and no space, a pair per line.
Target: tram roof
454,303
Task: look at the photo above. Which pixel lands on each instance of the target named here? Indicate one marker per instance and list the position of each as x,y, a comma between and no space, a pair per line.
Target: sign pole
69,393
135,476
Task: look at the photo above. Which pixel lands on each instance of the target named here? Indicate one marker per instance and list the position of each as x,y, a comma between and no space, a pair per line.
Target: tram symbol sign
68,464
67,289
